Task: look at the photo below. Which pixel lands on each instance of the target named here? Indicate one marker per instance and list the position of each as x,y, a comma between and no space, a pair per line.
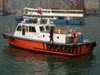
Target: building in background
90,6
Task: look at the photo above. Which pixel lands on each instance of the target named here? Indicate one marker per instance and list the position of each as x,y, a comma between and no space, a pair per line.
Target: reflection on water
36,63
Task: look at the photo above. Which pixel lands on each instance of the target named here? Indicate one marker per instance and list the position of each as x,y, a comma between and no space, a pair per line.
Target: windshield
43,21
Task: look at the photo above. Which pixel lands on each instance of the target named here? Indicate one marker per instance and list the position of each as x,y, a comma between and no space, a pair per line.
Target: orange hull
48,47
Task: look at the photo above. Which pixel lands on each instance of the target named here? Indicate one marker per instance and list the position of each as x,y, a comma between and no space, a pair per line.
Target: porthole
57,37
43,35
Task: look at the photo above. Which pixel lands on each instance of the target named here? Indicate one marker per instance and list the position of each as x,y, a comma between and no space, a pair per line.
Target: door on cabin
24,30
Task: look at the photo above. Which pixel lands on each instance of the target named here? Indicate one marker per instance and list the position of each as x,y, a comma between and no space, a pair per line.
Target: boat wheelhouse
36,36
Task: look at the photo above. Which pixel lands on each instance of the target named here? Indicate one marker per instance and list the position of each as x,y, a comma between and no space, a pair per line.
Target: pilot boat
35,36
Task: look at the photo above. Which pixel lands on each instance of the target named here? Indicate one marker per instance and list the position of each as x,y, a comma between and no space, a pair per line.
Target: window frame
19,29
31,29
41,28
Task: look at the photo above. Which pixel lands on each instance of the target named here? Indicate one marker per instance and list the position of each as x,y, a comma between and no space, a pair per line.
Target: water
16,61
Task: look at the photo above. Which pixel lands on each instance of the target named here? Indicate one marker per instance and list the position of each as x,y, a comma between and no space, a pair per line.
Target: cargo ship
42,35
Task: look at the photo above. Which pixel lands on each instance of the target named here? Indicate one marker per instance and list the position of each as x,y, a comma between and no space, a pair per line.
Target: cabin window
26,11
53,27
32,29
47,28
27,21
46,11
26,28
34,20
19,28
43,21
52,17
35,10
29,10
41,28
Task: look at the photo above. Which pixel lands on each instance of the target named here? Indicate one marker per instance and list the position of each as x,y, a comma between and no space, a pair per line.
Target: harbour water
16,61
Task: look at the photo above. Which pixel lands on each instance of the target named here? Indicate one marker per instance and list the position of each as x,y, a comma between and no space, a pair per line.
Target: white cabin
39,30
